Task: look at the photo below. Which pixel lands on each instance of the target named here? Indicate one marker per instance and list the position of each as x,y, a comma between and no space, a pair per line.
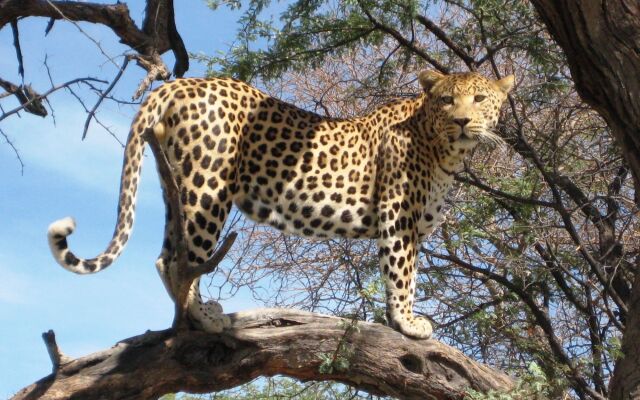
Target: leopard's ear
428,78
506,84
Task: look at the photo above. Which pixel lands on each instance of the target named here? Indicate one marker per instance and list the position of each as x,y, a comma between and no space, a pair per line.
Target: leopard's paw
211,317
415,327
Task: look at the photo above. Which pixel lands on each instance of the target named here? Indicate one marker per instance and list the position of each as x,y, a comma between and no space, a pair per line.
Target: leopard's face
463,109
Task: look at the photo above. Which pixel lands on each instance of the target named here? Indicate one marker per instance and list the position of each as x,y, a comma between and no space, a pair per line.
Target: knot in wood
412,363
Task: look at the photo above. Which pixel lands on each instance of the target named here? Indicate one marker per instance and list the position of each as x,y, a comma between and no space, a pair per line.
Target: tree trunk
269,342
625,383
601,39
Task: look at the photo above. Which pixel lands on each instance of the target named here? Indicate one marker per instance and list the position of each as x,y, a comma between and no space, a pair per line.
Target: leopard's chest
433,209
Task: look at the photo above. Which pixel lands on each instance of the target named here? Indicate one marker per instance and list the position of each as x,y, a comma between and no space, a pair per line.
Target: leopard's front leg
398,254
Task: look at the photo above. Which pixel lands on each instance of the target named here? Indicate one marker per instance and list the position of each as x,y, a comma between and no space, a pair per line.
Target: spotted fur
383,176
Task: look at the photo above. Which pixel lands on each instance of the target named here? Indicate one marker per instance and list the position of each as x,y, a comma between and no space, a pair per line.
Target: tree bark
601,39
268,342
625,383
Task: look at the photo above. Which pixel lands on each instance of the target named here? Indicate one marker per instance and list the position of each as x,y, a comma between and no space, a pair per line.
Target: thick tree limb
267,342
115,16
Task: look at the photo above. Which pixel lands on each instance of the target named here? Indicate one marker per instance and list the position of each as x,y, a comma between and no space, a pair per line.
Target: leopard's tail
132,165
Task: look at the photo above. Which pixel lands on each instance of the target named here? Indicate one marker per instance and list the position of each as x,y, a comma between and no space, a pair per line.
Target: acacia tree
555,232
536,262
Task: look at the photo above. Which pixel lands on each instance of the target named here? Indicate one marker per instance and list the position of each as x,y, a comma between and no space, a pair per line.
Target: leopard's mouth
466,137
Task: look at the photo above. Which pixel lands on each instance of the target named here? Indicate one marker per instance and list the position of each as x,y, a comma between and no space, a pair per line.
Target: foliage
534,386
339,360
279,388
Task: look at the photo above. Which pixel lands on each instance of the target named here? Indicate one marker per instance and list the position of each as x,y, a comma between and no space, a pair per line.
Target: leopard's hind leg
204,217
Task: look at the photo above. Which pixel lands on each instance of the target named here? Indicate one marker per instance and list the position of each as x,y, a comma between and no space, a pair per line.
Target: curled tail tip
57,236
61,228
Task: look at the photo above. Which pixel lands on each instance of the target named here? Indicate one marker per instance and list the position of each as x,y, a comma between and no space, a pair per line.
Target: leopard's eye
478,98
446,99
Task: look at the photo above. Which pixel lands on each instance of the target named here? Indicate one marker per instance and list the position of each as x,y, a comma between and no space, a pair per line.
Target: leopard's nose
462,121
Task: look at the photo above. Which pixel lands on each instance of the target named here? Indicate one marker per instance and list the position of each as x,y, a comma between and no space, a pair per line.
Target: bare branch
444,38
45,94
158,35
15,150
104,94
115,16
30,100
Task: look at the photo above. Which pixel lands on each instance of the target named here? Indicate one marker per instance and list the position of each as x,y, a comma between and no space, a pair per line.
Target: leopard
382,176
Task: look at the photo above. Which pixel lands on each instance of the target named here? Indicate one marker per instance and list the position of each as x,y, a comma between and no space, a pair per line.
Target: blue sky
64,176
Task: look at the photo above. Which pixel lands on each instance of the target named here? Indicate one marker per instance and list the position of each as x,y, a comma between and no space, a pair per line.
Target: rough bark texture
625,383
601,39
267,342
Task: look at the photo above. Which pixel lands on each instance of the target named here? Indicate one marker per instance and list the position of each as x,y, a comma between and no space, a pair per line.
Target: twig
156,71
15,150
92,113
49,26
86,110
28,97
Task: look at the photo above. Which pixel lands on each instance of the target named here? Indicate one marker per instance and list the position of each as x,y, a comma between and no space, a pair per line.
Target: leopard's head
462,109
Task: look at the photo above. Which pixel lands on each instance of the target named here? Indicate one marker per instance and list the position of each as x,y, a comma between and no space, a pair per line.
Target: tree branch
542,320
444,38
267,342
409,45
115,16
34,101
30,100
157,35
